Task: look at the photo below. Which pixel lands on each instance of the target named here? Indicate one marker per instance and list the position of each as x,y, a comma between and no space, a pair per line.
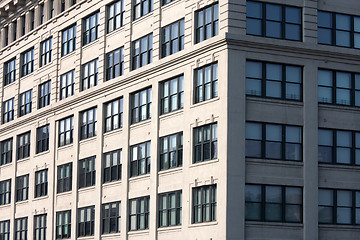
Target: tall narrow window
91,28
42,138
6,32
21,228
23,145
172,94
64,178
5,192
140,159
9,71
62,5
6,151
173,38
14,30
68,40
5,230
40,226
207,23
45,52
41,13
66,128
141,105
41,183
86,219
116,15
25,103
204,204
171,151
63,224
67,84
8,111
139,213
52,8
88,126
205,143
22,188
112,162
23,24
206,83
44,94
89,74
87,172
115,63
142,7
113,115
111,216
32,19
170,208
142,51
27,62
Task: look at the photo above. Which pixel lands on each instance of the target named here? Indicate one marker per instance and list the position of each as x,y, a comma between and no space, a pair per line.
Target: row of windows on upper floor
169,209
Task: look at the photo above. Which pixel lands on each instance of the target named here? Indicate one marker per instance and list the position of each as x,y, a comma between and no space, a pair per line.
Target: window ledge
63,194
172,114
113,132
204,163
274,224
5,205
86,189
138,232
204,102
86,237
176,228
63,148
109,184
339,166
69,55
142,18
110,235
170,171
139,178
24,202
42,153
275,101
334,226
203,224
23,159
140,124
89,139
9,85
90,44
170,4
40,198
116,31
6,165
47,65
274,162
330,106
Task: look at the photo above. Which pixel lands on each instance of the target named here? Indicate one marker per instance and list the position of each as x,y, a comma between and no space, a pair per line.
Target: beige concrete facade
230,110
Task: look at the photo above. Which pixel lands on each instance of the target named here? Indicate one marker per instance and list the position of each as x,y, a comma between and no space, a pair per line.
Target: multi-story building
174,119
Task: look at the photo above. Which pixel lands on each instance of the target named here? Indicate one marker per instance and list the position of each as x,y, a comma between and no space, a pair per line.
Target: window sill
142,18
330,106
170,4
86,189
116,31
113,132
139,178
109,184
203,224
90,44
170,171
274,100
9,85
5,205
138,232
140,124
24,202
23,159
89,139
204,163
69,55
340,226
170,229
172,114
339,166
6,165
40,198
86,237
63,194
46,66
65,147
110,235
204,102
275,162
273,224
42,153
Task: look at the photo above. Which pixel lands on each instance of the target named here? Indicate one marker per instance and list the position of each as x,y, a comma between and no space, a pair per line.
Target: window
62,5
89,74
23,24
41,183
204,204
27,62
6,30
272,20
112,166
272,141
45,52
66,128
44,94
23,145
111,216
25,103
173,38
42,139
172,94
14,24
206,83
141,105
9,71
340,88
338,29
207,23
67,84
88,123
339,147
68,41
142,7
21,228
86,218
42,16
114,115
87,172
205,143
273,203
5,192
116,15
32,19
6,151
40,227
171,151
64,178
170,209
90,28
139,213
8,110
22,188
5,230
271,80
142,51
339,207
52,9
140,159
63,224
73,2
115,63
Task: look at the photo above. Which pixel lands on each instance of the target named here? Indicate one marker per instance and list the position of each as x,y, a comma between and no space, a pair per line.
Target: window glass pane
293,195
293,15
273,132
273,194
293,74
344,198
343,38
273,29
253,131
326,197
343,22
254,69
344,139
325,78
324,36
324,19
254,9
325,137
273,12
273,71
253,26
253,193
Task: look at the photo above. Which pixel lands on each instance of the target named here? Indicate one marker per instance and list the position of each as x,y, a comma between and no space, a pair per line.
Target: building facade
173,119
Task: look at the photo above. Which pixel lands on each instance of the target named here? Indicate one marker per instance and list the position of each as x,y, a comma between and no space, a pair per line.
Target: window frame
86,76
67,84
61,224
108,219
8,110
212,204
27,62
23,146
113,116
135,163
178,151
82,225
22,188
168,210
25,103
5,229
6,151
41,183
9,71
114,67
21,228
5,192
44,98
214,23
88,123
141,57
39,228
87,172
139,213
180,38
63,182
200,87
112,16
136,108
211,142
92,31
166,95
45,52
68,44
138,5
109,170
65,132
